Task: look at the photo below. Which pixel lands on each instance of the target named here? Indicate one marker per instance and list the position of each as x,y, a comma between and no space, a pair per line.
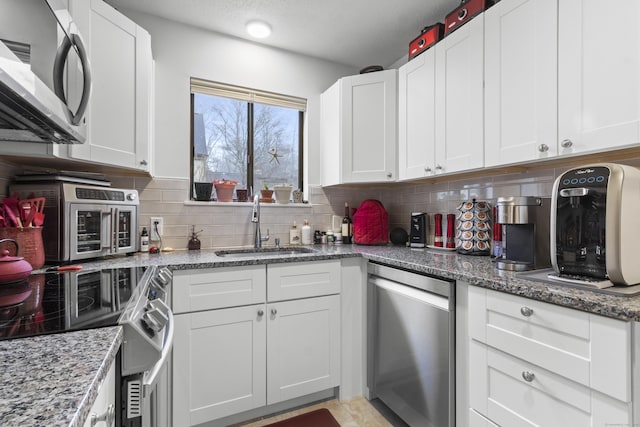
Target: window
249,136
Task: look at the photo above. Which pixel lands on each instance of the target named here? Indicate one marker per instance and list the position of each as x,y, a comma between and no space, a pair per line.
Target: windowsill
248,204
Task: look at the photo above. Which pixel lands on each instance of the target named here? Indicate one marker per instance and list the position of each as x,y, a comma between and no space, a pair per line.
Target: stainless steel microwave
84,221
45,75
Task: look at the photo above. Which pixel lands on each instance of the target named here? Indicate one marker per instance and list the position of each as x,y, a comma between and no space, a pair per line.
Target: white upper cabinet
119,113
417,117
599,75
459,99
520,81
561,78
358,129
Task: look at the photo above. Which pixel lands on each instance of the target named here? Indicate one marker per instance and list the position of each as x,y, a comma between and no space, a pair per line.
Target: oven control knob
163,277
155,320
131,196
156,315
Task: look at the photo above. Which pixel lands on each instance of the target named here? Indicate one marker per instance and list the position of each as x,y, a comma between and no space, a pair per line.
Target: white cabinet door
459,99
303,347
520,69
219,365
599,75
416,117
105,400
119,112
358,133
369,127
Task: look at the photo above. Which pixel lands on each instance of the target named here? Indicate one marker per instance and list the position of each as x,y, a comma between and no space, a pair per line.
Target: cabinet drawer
205,289
512,392
302,280
589,349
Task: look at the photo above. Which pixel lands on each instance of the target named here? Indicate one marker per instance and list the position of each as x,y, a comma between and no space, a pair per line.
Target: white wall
181,52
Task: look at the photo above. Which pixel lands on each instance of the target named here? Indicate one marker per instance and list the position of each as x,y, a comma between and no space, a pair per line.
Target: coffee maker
418,234
525,232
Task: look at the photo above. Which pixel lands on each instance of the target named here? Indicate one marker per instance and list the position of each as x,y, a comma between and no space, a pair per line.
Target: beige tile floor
357,412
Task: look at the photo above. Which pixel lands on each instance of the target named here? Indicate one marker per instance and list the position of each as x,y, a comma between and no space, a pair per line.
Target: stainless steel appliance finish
146,348
525,229
411,345
85,221
45,77
594,217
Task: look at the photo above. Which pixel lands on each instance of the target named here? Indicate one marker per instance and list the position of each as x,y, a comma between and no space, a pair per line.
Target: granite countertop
53,380
475,270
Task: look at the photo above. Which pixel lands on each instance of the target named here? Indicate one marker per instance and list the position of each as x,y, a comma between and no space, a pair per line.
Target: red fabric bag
371,224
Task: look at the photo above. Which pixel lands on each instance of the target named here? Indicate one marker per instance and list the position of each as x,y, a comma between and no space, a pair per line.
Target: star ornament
273,152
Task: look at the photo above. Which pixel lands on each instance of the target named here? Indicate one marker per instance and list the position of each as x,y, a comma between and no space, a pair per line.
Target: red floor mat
318,418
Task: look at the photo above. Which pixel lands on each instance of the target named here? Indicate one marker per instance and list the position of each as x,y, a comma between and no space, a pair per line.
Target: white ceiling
352,32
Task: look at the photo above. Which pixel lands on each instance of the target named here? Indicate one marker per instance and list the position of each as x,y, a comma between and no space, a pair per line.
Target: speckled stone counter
475,270
53,380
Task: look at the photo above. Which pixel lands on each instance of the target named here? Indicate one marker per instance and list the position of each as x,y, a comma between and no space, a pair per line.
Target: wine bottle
347,225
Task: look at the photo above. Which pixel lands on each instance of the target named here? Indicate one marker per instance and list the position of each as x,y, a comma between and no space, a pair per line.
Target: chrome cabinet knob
543,148
260,313
143,162
439,168
566,143
427,169
526,311
108,417
528,376
389,175
274,311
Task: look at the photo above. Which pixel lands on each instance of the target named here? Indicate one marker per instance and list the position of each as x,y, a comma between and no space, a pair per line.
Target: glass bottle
347,226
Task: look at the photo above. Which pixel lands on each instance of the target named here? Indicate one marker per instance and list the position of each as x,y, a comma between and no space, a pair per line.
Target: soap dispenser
294,235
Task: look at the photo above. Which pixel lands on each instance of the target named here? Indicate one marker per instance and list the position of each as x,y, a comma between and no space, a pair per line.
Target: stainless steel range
135,297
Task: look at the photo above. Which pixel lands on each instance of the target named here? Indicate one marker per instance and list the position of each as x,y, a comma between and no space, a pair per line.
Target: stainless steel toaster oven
83,220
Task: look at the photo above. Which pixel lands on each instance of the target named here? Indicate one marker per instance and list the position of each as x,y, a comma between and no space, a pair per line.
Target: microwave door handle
151,377
105,225
115,217
58,75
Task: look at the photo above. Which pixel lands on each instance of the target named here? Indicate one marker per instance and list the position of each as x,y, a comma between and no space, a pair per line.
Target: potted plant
283,193
266,195
224,189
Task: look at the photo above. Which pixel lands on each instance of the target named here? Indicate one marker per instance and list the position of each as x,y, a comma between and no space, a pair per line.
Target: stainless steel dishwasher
411,345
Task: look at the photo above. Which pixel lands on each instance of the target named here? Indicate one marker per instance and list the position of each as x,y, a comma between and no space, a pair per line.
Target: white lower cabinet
538,364
227,360
103,410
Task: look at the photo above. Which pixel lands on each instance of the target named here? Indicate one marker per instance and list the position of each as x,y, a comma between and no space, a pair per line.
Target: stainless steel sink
251,253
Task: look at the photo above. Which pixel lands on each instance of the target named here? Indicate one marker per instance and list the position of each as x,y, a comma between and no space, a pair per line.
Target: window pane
220,139
276,142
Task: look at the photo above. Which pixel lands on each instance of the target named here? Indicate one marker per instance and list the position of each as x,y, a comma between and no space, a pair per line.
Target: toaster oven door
101,230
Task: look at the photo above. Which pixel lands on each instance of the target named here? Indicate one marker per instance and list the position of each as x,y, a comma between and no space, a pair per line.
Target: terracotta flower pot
266,196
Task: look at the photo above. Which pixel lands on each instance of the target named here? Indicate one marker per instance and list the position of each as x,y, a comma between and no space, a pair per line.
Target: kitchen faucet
255,218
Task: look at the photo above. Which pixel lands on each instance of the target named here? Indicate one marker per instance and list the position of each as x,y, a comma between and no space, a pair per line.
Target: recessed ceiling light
258,29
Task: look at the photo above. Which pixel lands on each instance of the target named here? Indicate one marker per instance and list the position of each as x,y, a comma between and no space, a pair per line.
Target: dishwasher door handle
410,292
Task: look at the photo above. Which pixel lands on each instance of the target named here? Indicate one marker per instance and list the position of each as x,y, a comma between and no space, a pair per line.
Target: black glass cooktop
46,303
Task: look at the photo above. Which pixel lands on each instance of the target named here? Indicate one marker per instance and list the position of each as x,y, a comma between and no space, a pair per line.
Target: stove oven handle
150,377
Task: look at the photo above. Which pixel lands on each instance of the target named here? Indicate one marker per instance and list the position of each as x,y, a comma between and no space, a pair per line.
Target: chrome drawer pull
528,376
526,311
274,311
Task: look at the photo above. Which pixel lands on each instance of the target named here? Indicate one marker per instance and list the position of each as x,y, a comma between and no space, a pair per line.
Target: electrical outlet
157,224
